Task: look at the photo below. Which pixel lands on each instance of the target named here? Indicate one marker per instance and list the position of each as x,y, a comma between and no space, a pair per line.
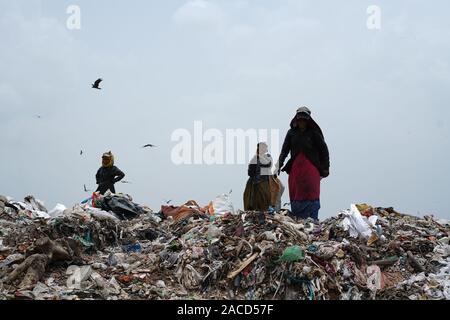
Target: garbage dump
110,248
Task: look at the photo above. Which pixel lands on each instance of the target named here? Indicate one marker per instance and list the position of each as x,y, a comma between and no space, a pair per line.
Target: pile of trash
112,248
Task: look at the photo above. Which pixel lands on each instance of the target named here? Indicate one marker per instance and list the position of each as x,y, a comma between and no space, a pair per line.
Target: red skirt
304,180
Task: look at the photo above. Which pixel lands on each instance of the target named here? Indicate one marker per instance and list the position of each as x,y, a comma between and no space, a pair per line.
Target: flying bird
96,84
149,146
81,152
85,189
168,202
38,116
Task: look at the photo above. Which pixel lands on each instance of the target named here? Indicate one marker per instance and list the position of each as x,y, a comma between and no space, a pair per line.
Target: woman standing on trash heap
308,164
257,194
108,174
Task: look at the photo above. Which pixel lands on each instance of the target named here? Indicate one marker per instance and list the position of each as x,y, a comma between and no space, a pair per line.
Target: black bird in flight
96,84
149,146
85,189
81,152
168,202
38,116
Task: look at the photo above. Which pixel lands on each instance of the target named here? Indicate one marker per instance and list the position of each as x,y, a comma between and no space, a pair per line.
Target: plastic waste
77,276
292,254
101,214
124,208
327,251
374,278
222,205
132,248
112,260
271,236
11,259
32,211
214,232
355,223
57,211
373,220
99,266
379,230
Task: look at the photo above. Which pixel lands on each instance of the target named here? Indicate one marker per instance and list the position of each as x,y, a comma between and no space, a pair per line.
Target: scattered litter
112,248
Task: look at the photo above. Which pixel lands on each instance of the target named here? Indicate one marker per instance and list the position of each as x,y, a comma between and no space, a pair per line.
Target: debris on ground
112,248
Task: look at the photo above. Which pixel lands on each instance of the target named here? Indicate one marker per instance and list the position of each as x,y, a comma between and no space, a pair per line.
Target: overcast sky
381,96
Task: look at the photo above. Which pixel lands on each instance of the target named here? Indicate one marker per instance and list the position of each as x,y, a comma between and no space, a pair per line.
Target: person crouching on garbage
108,174
257,195
309,162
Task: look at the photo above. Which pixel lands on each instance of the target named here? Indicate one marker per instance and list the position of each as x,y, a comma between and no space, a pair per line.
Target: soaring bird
96,84
81,152
149,146
85,189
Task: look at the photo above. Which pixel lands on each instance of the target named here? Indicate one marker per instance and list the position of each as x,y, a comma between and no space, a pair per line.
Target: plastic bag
222,205
355,223
292,254
57,211
100,214
374,278
122,207
30,211
77,276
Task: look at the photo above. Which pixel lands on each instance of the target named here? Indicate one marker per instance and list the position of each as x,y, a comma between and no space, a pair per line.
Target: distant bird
81,152
286,204
38,116
96,84
149,146
85,189
167,202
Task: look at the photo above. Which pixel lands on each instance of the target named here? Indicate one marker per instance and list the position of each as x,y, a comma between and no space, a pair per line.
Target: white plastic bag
373,220
57,211
30,211
222,205
77,276
355,223
100,214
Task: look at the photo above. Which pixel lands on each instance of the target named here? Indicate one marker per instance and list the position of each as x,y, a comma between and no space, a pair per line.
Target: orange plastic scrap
365,209
178,213
125,278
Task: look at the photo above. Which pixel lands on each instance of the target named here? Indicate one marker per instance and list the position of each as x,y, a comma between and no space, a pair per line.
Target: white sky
380,96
